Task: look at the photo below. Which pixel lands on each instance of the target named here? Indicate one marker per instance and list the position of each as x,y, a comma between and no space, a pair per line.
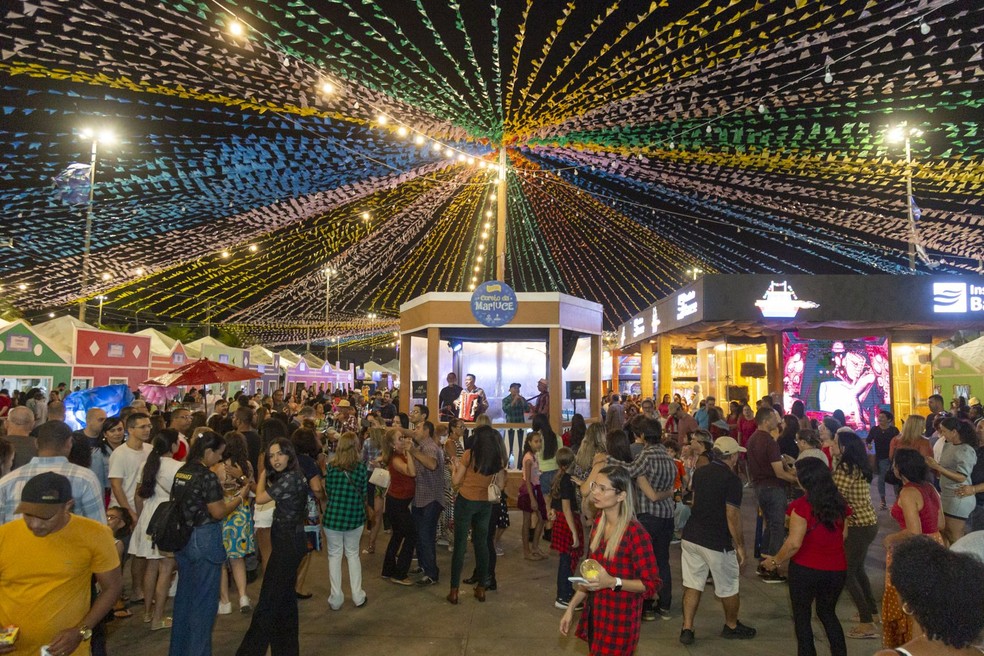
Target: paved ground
519,618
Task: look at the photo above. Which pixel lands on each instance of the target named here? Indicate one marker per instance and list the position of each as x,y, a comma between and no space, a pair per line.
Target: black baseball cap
44,495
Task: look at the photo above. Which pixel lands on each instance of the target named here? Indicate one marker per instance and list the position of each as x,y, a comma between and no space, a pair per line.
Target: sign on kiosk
957,297
493,303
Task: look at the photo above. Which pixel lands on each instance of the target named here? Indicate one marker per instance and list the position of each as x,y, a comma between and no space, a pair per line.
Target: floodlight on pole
902,133
104,136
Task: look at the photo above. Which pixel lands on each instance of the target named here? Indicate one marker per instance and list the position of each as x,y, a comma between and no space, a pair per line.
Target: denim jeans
197,599
565,589
347,542
660,531
546,481
473,515
274,623
425,521
883,467
772,502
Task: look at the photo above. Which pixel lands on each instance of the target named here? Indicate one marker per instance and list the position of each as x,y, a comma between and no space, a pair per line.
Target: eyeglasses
602,488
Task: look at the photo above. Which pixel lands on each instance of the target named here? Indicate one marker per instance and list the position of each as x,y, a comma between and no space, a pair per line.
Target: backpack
168,529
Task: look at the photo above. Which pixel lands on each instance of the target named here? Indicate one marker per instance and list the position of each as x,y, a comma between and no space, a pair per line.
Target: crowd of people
262,483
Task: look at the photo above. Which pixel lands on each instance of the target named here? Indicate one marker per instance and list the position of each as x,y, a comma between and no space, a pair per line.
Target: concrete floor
519,618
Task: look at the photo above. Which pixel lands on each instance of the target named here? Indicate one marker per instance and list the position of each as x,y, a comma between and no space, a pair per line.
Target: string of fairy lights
582,141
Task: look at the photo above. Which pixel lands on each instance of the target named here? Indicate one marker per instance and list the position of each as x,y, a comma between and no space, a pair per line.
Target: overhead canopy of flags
642,140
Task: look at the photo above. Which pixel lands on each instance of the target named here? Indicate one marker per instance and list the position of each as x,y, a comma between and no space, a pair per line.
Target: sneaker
773,577
648,614
225,608
499,551
664,613
401,581
426,580
416,570
245,605
560,603
760,570
740,632
686,636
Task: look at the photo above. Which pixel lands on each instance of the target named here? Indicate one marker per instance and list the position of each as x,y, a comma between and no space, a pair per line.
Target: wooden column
405,383
663,350
616,354
646,355
773,369
594,398
433,371
555,377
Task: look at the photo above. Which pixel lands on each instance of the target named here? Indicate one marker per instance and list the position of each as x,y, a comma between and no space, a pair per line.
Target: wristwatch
617,587
85,632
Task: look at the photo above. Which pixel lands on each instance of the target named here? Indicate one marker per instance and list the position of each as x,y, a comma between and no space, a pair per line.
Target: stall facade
324,377
855,343
166,353
213,349
27,360
98,357
267,364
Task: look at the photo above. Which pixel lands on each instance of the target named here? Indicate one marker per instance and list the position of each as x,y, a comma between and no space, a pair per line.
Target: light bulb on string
382,119
327,88
419,140
828,77
762,108
236,28
924,27
402,131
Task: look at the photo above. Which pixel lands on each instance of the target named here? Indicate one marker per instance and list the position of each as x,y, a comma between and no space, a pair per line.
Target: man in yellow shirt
47,560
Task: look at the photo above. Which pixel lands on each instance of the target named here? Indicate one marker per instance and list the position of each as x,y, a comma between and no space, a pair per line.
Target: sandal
862,634
122,613
163,624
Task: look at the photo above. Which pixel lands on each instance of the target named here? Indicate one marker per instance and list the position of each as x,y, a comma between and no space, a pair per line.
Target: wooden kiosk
545,317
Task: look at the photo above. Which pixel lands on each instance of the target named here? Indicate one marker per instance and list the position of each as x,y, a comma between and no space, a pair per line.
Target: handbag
380,477
495,489
167,528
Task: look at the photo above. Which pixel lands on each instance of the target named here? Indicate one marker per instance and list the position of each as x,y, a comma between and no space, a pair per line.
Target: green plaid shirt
346,490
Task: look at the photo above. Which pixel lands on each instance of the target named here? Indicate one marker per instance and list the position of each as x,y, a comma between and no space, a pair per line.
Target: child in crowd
531,498
567,538
121,524
681,484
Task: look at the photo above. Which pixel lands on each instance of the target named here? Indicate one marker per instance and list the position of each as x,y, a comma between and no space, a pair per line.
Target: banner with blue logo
493,303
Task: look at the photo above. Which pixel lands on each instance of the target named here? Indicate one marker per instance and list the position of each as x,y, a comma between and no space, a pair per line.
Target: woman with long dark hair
852,476
308,450
110,436
625,570
548,456
198,491
815,549
270,431
472,507
918,512
154,488
234,471
954,467
274,622
787,439
576,432
881,437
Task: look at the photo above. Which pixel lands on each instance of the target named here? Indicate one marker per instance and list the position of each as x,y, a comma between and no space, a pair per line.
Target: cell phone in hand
577,579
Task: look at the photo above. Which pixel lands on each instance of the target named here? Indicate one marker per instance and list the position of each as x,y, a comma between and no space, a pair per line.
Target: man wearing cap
685,424
542,406
515,408
46,563
713,542
54,444
345,418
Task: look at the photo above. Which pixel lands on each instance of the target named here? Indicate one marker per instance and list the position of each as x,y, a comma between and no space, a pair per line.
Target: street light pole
904,134
101,298
328,273
106,137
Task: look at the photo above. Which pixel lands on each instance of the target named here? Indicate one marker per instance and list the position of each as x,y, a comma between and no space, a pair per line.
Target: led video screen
851,375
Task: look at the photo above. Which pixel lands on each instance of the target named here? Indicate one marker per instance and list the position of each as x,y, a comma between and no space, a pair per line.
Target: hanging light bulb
762,108
828,77
327,88
236,28
402,131
382,119
419,140
924,27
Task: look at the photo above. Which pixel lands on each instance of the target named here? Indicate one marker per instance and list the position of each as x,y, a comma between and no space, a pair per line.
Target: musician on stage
472,400
542,406
448,399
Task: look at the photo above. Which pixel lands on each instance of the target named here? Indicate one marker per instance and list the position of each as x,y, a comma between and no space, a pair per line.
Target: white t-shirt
126,463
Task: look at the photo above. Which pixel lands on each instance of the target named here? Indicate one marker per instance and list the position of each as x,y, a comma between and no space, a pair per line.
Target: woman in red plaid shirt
612,615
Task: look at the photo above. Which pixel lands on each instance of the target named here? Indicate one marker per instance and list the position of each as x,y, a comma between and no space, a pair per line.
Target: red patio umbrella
202,372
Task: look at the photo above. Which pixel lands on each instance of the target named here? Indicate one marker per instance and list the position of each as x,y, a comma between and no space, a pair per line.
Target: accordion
470,402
